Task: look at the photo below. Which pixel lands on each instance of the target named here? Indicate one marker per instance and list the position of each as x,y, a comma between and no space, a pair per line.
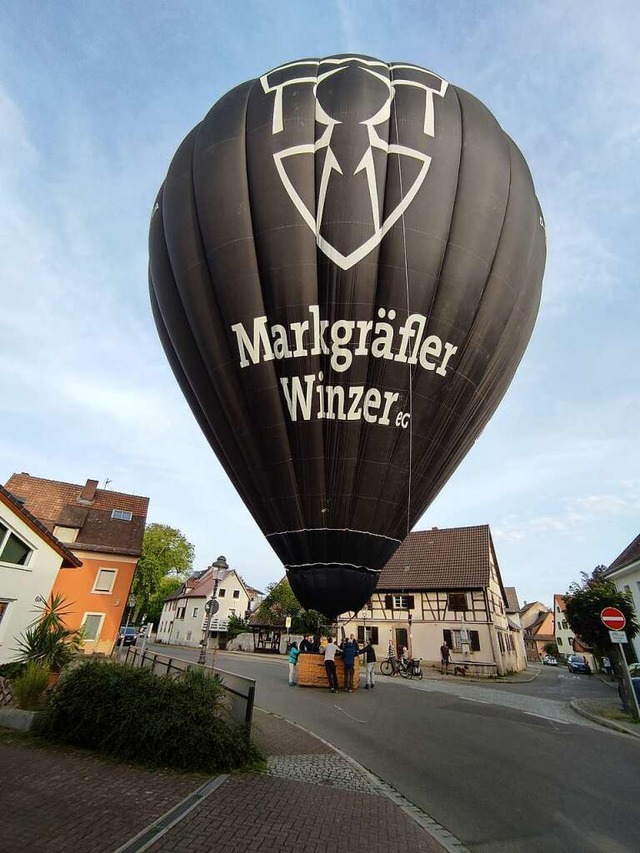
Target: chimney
89,491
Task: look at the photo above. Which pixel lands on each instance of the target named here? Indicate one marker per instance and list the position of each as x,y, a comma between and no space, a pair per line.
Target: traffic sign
613,618
617,636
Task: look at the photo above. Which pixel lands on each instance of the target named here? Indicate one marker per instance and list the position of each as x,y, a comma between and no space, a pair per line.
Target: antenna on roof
106,482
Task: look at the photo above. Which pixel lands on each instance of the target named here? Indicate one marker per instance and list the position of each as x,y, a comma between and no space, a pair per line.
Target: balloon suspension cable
406,284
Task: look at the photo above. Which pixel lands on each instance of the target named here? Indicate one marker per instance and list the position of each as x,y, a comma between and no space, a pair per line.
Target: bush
12,670
28,689
132,714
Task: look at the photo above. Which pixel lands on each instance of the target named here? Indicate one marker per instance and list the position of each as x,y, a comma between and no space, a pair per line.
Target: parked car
576,663
127,636
634,670
549,660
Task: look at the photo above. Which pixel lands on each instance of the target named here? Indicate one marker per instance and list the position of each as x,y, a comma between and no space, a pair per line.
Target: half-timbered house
443,585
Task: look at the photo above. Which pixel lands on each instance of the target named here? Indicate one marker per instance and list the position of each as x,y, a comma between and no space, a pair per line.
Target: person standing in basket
306,645
349,653
330,651
293,660
370,657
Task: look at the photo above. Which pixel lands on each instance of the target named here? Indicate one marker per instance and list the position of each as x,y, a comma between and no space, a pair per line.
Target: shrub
12,670
28,689
132,714
47,641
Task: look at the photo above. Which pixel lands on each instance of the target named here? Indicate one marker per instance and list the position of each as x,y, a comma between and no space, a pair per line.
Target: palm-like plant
48,641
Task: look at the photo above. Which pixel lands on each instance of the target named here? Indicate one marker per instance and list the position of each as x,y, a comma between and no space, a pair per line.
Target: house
513,615
538,625
184,616
443,585
104,530
30,558
625,573
565,638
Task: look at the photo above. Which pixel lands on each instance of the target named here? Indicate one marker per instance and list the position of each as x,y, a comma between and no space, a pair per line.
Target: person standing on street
330,651
370,657
445,658
349,653
293,660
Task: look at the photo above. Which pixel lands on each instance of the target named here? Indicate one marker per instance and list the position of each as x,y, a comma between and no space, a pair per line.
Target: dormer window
121,514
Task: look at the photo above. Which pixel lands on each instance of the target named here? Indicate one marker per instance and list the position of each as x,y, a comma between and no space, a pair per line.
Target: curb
445,838
574,704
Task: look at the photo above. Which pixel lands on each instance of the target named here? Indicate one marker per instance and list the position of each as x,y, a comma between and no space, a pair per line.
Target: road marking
551,719
479,701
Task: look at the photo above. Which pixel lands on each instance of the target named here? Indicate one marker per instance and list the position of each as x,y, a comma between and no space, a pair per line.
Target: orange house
105,530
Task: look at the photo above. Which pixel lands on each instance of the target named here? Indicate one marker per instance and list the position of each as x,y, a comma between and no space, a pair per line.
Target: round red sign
613,618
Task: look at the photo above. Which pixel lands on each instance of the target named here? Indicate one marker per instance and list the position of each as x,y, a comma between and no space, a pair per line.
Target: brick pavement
312,800
54,799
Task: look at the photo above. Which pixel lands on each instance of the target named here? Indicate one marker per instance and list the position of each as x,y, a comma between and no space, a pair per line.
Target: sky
94,99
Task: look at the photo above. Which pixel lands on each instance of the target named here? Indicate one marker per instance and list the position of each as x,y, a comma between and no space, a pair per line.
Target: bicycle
406,668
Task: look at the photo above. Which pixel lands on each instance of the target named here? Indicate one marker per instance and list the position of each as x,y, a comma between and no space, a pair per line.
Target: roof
69,559
448,558
631,554
513,605
86,508
558,601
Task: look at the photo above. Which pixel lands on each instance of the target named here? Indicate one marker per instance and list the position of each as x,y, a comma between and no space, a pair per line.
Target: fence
240,690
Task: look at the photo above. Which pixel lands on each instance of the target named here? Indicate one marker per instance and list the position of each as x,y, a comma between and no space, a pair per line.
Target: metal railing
240,691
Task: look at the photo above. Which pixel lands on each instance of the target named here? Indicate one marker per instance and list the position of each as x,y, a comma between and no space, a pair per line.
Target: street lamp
218,569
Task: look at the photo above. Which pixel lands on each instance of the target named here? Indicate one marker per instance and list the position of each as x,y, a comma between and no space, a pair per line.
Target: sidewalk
314,799
608,713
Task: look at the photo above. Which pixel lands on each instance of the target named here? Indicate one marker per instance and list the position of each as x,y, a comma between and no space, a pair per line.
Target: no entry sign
613,618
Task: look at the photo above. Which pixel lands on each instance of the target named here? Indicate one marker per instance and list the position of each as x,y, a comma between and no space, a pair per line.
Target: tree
236,625
584,603
166,586
166,553
280,602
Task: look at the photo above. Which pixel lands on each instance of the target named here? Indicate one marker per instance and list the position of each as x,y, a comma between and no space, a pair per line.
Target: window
564,624
12,549
92,623
454,639
121,514
559,641
180,612
188,635
195,612
399,602
365,634
105,580
3,609
236,593
222,592
457,601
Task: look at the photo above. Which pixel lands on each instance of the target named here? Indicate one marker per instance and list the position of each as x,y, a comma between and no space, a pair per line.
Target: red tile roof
449,558
66,504
69,560
513,605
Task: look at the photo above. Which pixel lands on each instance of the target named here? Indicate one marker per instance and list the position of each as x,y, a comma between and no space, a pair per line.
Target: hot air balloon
346,259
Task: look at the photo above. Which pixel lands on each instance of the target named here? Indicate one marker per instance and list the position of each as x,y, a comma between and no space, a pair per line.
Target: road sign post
615,620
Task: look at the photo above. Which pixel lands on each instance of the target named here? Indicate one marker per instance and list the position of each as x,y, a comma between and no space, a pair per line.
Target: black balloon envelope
346,260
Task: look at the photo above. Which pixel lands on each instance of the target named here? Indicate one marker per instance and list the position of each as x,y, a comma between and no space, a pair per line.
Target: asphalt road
504,768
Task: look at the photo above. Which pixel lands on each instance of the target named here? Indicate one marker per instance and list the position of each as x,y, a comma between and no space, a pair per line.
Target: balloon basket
311,671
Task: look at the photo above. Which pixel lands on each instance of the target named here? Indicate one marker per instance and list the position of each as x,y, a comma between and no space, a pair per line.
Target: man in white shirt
330,651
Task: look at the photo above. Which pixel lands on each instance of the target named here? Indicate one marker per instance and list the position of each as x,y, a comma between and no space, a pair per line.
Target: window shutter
388,602
447,637
412,602
374,636
360,634
474,636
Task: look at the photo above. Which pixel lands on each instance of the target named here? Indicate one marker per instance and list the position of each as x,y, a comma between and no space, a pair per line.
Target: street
502,767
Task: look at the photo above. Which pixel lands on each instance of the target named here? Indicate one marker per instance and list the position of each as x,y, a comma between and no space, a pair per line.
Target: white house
30,557
184,616
625,573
